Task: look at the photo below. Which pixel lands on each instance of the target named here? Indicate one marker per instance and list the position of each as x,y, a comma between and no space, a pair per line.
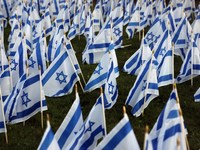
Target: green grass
30,135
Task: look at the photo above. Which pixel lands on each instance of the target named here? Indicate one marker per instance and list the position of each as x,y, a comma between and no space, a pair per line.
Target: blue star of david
100,68
110,88
162,51
126,13
73,26
35,33
32,62
156,38
61,75
15,65
2,6
150,36
117,31
145,84
90,126
25,99
82,21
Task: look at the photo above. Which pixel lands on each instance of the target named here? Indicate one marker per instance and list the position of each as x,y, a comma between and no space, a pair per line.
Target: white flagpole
1,56
73,66
145,137
103,111
77,61
6,136
173,62
192,58
11,83
41,96
148,80
139,22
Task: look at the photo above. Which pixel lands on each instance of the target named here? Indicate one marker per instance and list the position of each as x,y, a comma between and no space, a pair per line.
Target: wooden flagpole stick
99,13
41,97
183,130
103,109
6,136
192,58
73,67
77,61
139,23
124,110
173,62
148,81
145,137
1,56
11,83
127,45
178,144
142,45
79,16
76,90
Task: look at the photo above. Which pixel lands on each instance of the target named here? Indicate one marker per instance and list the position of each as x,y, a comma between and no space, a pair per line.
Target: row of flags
28,37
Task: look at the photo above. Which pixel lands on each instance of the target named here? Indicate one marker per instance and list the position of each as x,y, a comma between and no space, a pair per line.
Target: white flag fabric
197,96
48,141
136,96
120,137
92,129
2,117
60,77
70,125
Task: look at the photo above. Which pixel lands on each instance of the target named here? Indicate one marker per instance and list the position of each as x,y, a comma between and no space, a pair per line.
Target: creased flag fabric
92,129
111,90
120,137
134,63
197,96
48,141
70,125
137,93
2,117
28,101
60,77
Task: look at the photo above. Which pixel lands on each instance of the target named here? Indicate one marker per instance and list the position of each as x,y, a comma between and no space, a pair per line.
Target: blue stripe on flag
47,141
172,131
2,125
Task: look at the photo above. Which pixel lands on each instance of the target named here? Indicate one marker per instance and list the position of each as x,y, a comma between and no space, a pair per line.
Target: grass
30,135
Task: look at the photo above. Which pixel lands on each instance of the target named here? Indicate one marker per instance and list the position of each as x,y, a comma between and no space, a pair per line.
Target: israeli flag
196,30
111,90
60,77
28,101
139,91
128,11
197,96
92,130
70,125
48,141
2,117
120,137
5,8
167,123
134,63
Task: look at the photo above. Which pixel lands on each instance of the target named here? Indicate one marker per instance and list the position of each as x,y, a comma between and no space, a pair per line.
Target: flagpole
99,13
172,62
145,137
104,119
142,45
76,90
41,97
1,56
45,50
192,58
4,121
73,66
181,117
77,61
139,22
178,144
11,83
148,80
124,110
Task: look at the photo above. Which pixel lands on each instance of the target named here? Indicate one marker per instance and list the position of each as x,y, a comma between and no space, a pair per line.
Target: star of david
61,77
73,26
117,31
145,84
100,68
25,99
150,36
110,88
90,126
35,33
156,38
14,64
126,13
2,6
162,51
82,21
32,62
